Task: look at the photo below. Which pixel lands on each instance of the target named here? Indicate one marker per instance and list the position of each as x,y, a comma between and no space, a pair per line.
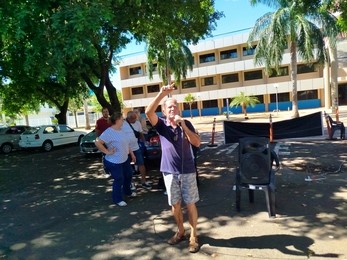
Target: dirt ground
58,205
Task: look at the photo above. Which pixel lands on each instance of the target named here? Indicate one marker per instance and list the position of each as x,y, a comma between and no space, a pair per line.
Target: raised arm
150,110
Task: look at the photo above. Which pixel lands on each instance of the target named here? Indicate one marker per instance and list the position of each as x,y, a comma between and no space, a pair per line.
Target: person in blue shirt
177,136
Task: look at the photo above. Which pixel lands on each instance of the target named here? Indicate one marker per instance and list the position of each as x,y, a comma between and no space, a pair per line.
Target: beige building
223,67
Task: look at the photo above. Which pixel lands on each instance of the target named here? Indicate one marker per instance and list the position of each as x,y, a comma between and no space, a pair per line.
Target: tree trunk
333,76
293,77
86,114
112,93
114,104
327,92
75,115
244,109
26,120
62,114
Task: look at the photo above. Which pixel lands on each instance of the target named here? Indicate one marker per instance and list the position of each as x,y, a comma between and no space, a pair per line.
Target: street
57,205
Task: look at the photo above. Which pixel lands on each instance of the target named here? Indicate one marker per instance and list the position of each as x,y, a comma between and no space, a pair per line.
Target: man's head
170,108
131,116
105,112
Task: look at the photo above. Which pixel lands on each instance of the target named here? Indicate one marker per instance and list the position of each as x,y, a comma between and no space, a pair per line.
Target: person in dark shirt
103,122
177,136
101,125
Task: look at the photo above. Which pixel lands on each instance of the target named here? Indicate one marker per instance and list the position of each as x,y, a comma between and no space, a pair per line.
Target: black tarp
309,125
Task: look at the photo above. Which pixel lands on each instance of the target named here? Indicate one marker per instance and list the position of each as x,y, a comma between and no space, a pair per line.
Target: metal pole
271,129
213,132
199,105
227,108
276,99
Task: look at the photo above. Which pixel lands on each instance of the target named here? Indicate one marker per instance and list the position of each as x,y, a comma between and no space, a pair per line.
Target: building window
304,68
207,58
282,97
137,91
247,51
229,78
210,103
153,88
229,54
260,98
307,94
188,84
283,71
135,71
252,75
186,105
208,81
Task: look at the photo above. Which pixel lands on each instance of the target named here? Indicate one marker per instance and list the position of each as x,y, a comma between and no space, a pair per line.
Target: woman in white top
115,145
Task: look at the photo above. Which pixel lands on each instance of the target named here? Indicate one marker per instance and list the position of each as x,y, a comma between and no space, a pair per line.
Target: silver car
9,137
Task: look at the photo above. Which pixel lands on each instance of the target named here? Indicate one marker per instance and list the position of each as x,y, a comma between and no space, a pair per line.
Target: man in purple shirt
177,163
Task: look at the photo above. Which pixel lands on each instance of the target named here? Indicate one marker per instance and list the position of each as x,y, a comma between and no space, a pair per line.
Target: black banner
309,125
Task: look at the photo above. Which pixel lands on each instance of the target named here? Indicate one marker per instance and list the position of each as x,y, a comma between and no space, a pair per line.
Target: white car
9,137
48,136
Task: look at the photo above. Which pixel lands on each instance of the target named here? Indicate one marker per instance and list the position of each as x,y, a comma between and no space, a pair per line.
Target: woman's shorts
139,157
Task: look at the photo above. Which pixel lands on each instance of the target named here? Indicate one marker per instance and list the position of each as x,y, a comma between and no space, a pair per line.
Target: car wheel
47,146
6,148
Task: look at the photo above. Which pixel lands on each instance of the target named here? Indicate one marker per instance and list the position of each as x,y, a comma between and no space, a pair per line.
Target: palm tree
244,101
190,99
304,24
340,9
170,57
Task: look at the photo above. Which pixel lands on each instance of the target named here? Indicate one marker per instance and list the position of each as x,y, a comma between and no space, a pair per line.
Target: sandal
193,245
176,239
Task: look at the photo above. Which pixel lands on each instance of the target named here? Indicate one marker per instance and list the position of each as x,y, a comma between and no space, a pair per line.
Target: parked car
49,136
9,137
87,144
152,149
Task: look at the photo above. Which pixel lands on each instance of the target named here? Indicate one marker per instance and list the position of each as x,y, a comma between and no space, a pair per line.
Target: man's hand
178,120
167,89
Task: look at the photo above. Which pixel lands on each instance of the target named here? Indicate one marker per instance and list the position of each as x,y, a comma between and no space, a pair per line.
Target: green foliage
244,101
92,100
190,99
340,7
302,24
172,27
175,59
51,49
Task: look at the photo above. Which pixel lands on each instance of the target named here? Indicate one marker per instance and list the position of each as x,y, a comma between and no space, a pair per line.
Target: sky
238,15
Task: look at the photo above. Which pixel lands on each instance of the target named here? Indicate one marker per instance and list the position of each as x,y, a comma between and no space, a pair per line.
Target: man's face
171,109
132,119
105,113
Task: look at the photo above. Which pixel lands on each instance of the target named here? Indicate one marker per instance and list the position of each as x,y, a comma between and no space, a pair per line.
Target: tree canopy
52,50
302,25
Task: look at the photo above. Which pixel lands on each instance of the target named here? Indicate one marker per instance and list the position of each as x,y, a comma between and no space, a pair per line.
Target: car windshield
32,130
